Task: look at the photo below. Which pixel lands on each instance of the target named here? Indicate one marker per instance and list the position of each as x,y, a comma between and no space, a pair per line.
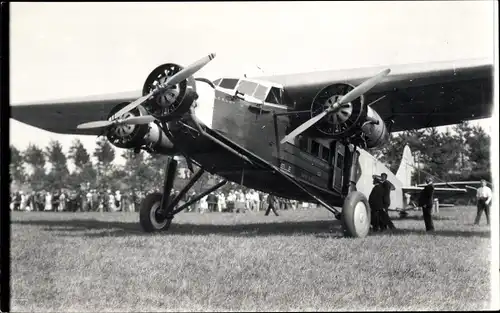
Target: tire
356,215
147,214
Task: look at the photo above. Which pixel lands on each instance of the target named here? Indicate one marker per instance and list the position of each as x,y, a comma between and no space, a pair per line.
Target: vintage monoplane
300,136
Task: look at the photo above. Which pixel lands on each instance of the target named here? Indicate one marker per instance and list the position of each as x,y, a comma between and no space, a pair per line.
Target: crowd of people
65,200
236,200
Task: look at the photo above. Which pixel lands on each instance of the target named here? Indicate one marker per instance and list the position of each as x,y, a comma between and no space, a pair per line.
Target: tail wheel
149,217
356,215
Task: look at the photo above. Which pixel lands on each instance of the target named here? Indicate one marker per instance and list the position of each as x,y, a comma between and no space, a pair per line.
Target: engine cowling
374,129
147,136
343,123
173,102
356,121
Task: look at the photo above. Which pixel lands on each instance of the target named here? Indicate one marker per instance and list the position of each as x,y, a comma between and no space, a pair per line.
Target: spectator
484,197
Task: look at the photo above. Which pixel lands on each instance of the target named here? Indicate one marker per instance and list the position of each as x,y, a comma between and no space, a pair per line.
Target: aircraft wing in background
437,190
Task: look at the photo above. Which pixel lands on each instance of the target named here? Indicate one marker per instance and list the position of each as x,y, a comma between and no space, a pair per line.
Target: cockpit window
274,96
247,87
217,81
261,92
228,83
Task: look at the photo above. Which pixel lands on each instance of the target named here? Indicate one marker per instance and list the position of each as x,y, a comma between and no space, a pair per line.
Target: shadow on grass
323,229
244,230
421,218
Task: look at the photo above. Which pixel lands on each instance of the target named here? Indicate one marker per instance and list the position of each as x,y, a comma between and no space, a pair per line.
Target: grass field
223,261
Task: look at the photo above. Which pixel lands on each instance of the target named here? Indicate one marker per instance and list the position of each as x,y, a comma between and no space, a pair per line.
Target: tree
58,174
462,133
479,143
35,158
105,154
78,154
16,167
139,175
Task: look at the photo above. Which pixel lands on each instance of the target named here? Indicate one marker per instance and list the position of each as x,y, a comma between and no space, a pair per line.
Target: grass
221,261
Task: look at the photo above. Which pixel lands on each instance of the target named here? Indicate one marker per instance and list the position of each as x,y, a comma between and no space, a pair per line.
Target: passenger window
303,143
315,148
325,155
274,96
228,83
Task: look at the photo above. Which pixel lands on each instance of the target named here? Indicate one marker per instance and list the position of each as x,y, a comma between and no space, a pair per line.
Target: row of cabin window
313,147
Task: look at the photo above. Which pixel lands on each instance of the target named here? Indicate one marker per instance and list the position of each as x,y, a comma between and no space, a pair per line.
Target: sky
61,50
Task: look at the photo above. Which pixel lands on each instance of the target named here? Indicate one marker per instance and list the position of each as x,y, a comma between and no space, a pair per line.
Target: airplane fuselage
323,166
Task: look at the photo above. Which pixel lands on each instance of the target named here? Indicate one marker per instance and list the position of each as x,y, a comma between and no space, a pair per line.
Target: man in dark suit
271,202
376,202
425,201
384,214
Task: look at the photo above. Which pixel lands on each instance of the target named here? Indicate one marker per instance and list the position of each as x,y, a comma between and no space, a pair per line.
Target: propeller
173,80
339,105
134,120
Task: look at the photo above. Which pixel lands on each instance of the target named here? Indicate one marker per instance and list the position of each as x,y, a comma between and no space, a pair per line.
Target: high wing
414,95
63,115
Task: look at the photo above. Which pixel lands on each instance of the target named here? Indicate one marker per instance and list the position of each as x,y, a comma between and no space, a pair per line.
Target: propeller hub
124,130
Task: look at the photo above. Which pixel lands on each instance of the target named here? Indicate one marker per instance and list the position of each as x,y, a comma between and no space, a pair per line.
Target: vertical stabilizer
406,167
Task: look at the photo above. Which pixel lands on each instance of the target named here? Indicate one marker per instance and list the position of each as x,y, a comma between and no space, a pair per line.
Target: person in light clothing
483,196
48,201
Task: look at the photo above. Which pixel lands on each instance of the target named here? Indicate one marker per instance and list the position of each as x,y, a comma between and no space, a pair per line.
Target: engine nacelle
171,103
374,129
148,136
356,121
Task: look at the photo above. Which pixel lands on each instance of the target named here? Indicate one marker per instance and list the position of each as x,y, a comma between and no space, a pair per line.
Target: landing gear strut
157,210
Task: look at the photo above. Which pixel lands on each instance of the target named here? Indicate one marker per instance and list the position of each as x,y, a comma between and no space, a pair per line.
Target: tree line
460,154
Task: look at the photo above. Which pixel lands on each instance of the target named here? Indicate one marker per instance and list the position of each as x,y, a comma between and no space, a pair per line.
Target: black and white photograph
252,156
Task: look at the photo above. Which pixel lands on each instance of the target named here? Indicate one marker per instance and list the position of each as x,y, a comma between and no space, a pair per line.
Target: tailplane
406,168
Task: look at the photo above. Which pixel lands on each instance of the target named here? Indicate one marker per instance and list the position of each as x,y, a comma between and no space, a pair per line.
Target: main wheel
149,216
356,215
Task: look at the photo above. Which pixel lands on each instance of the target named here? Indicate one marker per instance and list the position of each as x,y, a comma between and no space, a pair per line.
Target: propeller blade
96,124
133,105
138,120
190,70
304,126
174,80
364,87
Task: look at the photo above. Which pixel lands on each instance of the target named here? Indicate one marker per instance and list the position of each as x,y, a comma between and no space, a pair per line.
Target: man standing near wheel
385,220
376,202
425,201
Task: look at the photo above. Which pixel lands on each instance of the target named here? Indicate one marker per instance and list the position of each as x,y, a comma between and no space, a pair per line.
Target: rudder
406,167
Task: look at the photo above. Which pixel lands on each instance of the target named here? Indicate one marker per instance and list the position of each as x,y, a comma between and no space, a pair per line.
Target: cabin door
338,160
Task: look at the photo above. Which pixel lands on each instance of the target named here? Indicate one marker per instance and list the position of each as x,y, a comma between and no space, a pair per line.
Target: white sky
63,50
